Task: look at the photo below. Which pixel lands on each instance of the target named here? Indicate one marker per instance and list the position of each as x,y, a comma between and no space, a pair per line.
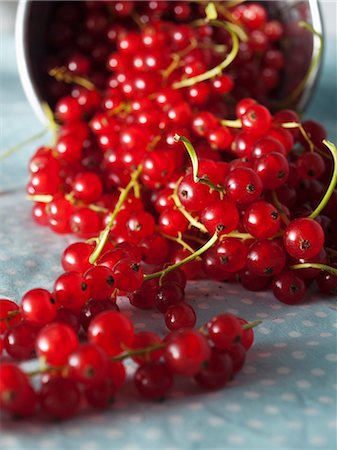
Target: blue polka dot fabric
285,396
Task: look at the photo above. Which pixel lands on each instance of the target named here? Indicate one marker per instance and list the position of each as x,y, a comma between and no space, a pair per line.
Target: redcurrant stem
303,132
333,182
250,325
138,352
10,315
186,260
313,66
219,68
331,251
237,235
15,148
232,123
322,267
103,237
211,11
179,240
61,74
279,207
70,198
195,163
194,222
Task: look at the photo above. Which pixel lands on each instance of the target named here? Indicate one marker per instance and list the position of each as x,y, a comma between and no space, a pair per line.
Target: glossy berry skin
144,297
303,238
243,185
153,380
155,249
10,310
187,351
67,109
217,372
85,223
193,196
247,337
238,356
16,394
55,342
262,220
327,283
75,257
71,290
180,316
112,331
273,169
60,398
221,217
266,258
288,287
93,308
172,222
88,364
145,339
256,120
87,187
19,341
101,282
168,294
128,275
38,307
231,254
224,330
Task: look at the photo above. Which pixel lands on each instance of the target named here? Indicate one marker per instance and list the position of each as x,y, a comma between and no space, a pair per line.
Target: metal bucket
302,46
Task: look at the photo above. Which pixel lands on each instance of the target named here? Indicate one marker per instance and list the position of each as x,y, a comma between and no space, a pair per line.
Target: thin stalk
103,237
186,260
322,267
332,184
279,207
15,148
217,70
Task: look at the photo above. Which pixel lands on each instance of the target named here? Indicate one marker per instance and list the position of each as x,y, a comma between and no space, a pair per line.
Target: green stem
186,260
250,325
322,267
279,208
232,123
332,184
195,163
219,68
139,352
10,315
103,237
17,147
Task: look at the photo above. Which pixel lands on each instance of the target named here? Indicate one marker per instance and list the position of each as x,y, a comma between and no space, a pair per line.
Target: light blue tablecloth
285,397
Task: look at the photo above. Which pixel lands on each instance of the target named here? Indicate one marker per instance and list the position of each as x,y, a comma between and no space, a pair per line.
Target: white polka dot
215,421
310,411
294,334
267,382
135,418
249,369
288,396
303,384
271,409
332,357
325,400
317,440
195,436
312,343
334,325
203,306
280,344
140,325
235,439
252,395
175,419
153,433
89,446
264,354
294,425
113,433
283,370
278,320
248,301
317,372
195,406
233,407
321,314
308,323
263,330
326,334
275,306
254,423
332,424
262,315
298,354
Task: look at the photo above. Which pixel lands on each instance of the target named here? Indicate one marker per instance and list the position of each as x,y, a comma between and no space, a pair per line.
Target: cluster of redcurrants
249,200
94,370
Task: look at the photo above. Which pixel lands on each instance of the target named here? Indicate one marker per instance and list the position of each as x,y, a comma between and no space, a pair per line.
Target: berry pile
165,176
